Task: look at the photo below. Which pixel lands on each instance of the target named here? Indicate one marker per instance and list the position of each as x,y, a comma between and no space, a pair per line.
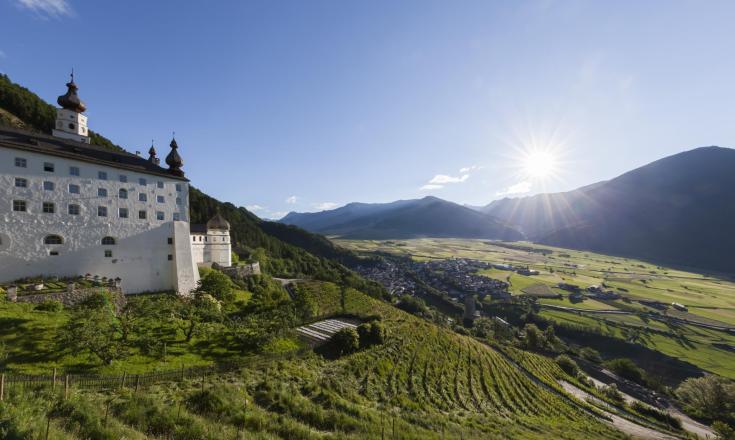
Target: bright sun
539,164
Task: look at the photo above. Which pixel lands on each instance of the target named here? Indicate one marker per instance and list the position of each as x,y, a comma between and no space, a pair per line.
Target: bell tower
70,122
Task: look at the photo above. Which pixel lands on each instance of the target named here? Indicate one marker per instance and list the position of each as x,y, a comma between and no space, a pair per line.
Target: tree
371,333
191,314
723,431
711,397
532,337
483,327
218,285
94,328
550,336
345,341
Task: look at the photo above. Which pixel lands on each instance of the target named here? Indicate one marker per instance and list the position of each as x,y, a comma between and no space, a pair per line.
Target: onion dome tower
174,160
218,222
70,122
152,155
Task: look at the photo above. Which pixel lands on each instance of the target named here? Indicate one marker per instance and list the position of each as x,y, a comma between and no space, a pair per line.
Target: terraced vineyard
424,382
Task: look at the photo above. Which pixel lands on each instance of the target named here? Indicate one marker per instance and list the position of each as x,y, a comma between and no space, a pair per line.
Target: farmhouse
69,207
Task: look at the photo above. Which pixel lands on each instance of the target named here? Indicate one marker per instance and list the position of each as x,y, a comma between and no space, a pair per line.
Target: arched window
123,193
108,241
53,239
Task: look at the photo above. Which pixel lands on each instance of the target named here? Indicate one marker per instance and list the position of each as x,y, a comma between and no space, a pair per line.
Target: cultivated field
710,300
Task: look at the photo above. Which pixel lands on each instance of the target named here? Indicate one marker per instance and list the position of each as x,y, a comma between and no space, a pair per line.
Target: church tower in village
70,122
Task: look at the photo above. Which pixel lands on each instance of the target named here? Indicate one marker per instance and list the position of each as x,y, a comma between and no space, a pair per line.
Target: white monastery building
70,208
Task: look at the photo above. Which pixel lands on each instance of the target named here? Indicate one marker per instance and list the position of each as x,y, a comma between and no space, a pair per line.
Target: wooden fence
97,382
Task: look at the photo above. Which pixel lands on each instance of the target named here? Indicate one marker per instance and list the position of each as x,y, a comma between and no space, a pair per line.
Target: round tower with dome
211,242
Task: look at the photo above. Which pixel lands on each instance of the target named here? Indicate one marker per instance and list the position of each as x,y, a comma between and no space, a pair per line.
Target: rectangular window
170,240
54,253
160,199
160,216
73,188
142,197
101,192
48,167
170,257
21,163
74,171
49,208
102,175
108,253
19,205
48,186
178,187
142,181
178,201
123,178
21,183
142,215
160,184
102,211
123,212
177,216
74,210
123,193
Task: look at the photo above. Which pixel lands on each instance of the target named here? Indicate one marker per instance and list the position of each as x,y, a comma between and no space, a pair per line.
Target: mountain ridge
429,216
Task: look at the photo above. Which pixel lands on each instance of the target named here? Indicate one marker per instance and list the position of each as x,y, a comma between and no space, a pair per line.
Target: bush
567,364
412,305
218,285
590,354
710,397
345,341
612,393
49,305
656,414
371,333
627,369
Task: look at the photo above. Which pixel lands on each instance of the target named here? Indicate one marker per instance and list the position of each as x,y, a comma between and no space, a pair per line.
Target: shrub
412,305
371,333
49,305
218,285
345,341
627,369
567,364
656,414
590,354
723,430
711,397
219,402
612,393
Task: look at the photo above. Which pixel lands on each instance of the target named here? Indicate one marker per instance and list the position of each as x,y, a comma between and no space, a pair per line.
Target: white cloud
324,206
518,188
430,186
254,208
291,200
47,8
441,179
470,168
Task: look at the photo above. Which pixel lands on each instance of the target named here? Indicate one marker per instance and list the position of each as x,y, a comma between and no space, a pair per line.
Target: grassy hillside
422,383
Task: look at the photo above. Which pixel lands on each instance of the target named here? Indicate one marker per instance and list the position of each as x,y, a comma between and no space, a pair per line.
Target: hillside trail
626,426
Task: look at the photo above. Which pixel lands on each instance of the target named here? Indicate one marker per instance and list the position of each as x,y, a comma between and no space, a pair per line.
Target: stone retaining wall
71,297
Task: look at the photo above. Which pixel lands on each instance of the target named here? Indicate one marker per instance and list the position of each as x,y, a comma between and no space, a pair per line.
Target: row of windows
194,238
101,192
50,167
54,239
102,211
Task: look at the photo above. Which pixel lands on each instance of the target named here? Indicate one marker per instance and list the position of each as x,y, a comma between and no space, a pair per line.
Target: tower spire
174,160
70,100
152,154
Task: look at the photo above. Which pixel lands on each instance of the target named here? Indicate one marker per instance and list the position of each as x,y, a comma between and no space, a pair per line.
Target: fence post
204,375
66,387
48,424
2,387
182,371
122,384
53,383
137,382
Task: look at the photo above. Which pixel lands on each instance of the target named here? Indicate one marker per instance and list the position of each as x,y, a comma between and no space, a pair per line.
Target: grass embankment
424,382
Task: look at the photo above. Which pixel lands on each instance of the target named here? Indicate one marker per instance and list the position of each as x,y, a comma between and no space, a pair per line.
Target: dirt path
620,423
689,424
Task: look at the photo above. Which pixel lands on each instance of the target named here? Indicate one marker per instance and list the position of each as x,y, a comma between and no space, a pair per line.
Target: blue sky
303,105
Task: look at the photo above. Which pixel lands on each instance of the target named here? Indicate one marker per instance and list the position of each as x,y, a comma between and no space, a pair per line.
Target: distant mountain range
679,210
427,217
